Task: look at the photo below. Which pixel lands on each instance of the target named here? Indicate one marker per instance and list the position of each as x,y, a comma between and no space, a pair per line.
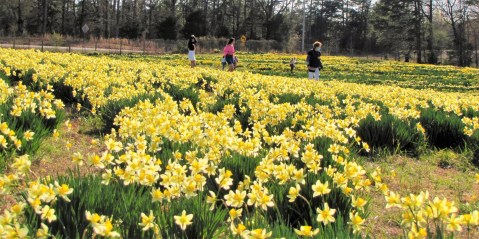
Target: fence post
121,44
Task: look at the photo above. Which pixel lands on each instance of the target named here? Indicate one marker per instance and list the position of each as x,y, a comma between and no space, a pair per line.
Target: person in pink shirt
229,52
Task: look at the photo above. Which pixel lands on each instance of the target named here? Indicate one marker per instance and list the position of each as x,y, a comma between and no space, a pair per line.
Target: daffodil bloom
224,179
326,215
235,214
42,233
393,199
183,220
239,230
93,218
306,231
28,135
471,219
477,177
17,209
356,222
22,164
147,222
358,202
78,158
416,233
293,193
211,199
157,195
15,232
320,188
453,223
106,229
235,199
260,234
107,176
366,147
63,191
407,218
48,214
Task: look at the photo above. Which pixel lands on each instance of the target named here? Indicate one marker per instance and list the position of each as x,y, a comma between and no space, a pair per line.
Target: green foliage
206,224
112,108
121,202
240,166
301,212
286,98
390,133
241,116
444,130
179,94
41,126
125,203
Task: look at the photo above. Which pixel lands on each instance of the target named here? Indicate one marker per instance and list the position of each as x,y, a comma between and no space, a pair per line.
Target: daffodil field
205,153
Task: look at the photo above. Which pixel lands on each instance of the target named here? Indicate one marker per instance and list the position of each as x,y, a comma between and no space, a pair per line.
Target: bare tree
455,12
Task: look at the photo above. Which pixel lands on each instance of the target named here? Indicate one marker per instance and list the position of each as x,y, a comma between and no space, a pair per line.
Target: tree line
415,29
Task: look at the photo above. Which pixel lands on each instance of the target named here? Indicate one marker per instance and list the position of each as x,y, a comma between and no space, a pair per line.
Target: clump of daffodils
39,196
421,213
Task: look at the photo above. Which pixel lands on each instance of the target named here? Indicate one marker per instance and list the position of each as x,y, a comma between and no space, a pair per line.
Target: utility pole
304,27
45,12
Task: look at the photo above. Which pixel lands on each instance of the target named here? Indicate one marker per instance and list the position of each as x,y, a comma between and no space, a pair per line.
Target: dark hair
231,40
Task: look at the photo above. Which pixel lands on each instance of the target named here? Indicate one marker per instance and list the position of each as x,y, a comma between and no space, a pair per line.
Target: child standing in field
292,64
223,62
235,64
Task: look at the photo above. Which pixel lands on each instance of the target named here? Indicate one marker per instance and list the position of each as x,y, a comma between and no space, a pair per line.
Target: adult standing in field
191,50
313,60
229,52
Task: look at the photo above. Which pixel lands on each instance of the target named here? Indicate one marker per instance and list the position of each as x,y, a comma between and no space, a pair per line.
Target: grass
456,183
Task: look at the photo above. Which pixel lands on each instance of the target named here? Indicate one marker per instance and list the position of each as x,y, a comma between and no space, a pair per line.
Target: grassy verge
407,175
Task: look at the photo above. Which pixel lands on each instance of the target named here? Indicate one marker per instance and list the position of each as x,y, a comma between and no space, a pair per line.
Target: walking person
313,60
229,52
292,64
191,50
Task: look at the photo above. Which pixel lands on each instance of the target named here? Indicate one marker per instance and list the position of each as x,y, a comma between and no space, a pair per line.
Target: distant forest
420,29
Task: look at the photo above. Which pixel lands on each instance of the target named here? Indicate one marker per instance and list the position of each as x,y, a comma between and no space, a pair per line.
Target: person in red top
229,52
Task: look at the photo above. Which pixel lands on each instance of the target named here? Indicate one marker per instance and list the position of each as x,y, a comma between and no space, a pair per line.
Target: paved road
70,49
